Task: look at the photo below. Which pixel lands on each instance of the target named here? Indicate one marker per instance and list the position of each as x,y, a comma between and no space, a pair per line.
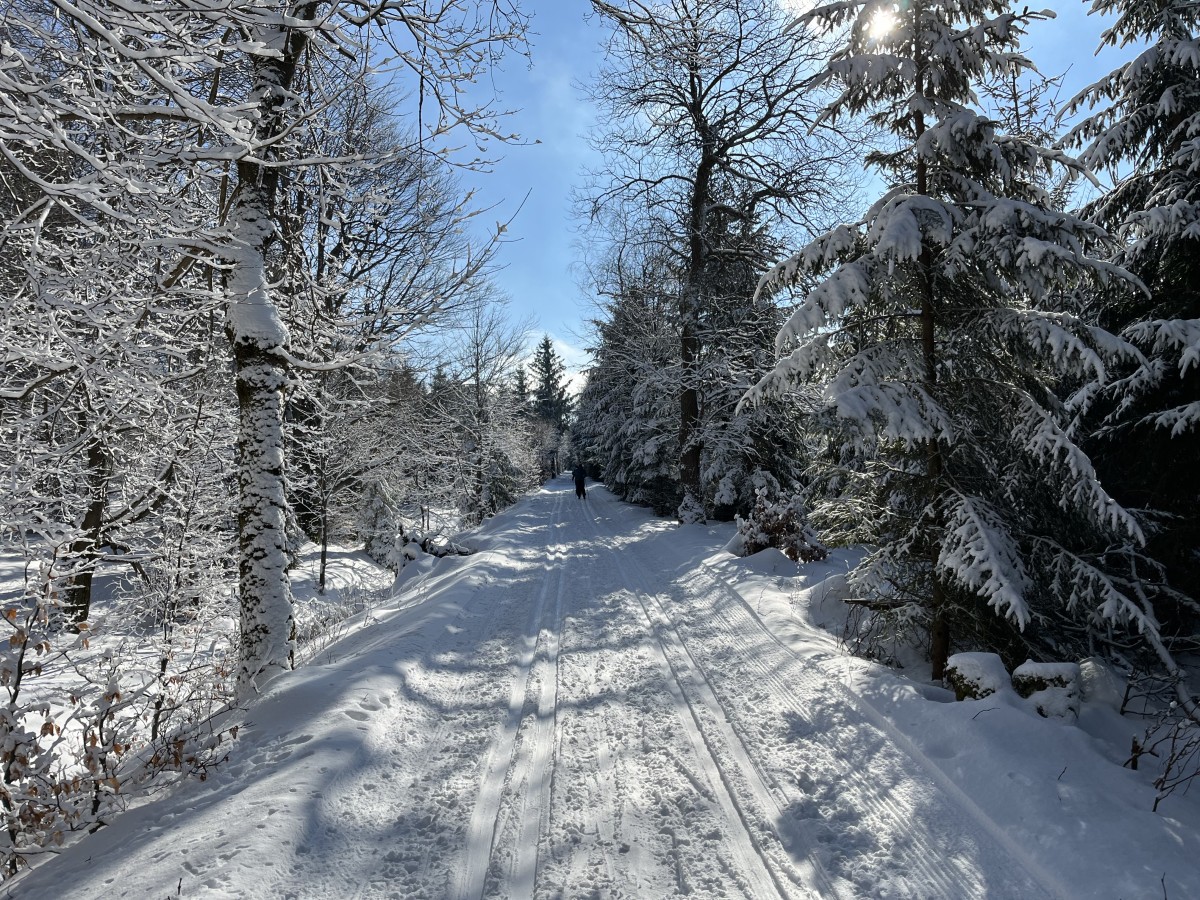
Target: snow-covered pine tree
626,422
521,390
746,452
550,400
958,462
1147,128
550,405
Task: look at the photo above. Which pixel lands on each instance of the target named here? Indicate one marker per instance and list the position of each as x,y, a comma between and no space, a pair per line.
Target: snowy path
581,709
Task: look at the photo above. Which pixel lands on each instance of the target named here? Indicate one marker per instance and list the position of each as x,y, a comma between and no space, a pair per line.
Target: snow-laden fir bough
952,369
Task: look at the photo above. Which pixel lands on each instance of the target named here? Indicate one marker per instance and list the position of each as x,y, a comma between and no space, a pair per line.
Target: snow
252,316
597,703
1052,688
983,672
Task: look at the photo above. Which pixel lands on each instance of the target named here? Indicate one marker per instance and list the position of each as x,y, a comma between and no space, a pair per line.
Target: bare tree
181,121
495,457
713,119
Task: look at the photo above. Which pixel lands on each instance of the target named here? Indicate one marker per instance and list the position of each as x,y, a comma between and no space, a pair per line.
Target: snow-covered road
583,708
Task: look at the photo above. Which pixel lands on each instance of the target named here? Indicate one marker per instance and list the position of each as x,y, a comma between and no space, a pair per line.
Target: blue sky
539,257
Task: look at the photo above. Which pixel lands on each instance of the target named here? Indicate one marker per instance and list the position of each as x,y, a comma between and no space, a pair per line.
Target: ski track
416,763
591,713
1034,881
845,779
742,796
510,813
648,737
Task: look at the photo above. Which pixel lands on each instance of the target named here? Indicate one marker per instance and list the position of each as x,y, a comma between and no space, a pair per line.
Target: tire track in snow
705,724
515,780
941,868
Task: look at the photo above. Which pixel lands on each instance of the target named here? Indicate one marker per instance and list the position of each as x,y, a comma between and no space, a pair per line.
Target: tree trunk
939,636
939,633
264,591
258,334
324,544
85,551
691,508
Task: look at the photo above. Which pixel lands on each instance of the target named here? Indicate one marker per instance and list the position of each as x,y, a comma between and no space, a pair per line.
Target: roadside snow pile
1052,688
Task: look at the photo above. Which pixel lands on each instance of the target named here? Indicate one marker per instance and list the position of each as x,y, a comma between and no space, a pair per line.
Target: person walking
580,477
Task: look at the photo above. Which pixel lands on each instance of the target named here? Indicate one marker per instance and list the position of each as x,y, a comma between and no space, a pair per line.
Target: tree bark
257,334
691,508
324,547
85,552
939,629
264,590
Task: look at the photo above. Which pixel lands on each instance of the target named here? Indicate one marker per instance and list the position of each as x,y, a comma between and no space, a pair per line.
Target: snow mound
1051,688
771,561
974,676
1100,685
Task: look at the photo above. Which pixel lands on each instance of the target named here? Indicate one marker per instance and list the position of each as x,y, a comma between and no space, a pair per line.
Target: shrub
782,524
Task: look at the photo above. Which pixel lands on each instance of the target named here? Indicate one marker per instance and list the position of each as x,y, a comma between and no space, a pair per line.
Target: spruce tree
627,420
937,356
550,401
521,390
750,450
1147,126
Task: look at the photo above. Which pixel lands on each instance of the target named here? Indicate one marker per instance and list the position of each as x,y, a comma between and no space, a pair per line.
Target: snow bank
1056,788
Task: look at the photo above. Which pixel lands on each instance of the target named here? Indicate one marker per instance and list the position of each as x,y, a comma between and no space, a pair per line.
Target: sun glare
881,24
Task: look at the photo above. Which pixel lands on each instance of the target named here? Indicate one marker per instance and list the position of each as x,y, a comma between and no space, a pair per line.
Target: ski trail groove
920,854
508,766
1045,880
585,854
533,765
707,729
880,804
